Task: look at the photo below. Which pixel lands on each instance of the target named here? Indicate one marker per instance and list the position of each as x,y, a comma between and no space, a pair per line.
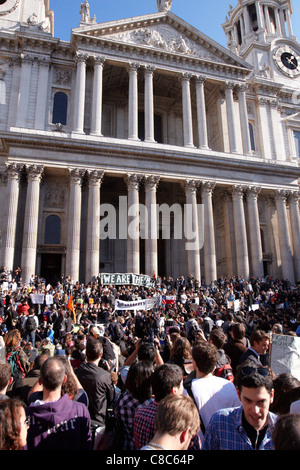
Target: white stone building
149,110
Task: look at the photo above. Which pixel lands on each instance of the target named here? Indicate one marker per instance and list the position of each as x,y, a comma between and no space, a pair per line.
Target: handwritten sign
285,355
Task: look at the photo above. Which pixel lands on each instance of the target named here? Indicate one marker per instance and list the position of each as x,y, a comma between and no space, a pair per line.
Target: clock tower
260,32
22,15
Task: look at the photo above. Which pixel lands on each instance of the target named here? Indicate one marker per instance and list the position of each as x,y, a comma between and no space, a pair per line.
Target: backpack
30,324
13,359
225,372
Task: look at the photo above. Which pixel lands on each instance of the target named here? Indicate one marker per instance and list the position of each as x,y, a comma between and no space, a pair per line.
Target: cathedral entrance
51,267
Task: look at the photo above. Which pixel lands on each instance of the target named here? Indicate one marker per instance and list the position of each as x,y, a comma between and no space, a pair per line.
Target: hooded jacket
59,425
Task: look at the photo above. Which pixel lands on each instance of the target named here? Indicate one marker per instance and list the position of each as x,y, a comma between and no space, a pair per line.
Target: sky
205,15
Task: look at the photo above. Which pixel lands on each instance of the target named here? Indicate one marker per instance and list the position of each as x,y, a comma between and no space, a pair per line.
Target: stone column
240,232
149,104
79,100
25,81
74,223
31,218
13,185
230,117
93,225
265,137
284,236
295,230
254,232
133,102
42,92
187,110
289,23
96,126
209,247
201,113
278,138
247,21
133,233
151,262
192,228
244,120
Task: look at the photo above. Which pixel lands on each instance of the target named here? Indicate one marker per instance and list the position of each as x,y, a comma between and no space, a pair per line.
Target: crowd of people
191,371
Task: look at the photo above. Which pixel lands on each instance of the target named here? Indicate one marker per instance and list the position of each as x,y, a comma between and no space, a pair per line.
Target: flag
169,299
70,306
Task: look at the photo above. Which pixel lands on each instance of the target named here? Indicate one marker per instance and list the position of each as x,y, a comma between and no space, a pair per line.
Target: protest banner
131,305
120,279
285,355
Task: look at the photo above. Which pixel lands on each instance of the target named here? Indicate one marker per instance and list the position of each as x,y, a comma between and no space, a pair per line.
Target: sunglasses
248,370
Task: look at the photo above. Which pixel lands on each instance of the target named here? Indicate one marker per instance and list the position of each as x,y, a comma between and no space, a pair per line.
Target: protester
137,393
6,379
209,392
13,425
176,422
15,354
250,425
166,379
286,432
259,341
98,385
56,422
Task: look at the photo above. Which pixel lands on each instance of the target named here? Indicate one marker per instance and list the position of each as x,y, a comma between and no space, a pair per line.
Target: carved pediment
163,32
165,38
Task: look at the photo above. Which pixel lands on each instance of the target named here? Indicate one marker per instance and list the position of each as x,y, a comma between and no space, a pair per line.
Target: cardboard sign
285,355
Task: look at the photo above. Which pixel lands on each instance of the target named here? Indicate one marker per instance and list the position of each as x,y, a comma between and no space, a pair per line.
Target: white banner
37,298
131,305
285,355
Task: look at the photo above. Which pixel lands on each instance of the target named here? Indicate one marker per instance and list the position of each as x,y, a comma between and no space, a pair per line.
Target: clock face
8,6
288,61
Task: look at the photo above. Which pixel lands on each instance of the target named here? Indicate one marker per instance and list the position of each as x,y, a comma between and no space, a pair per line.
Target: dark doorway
51,267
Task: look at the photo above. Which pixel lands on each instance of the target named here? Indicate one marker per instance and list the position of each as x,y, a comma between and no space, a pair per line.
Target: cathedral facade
143,146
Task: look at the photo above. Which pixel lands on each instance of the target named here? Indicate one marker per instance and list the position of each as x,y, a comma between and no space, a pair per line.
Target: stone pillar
133,233
13,185
289,23
96,126
240,232
247,21
254,232
209,247
93,226
187,110
230,117
42,93
295,230
192,229
284,236
74,223
151,250
133,103
278,138
149,105
265,137
201,113
31,218
79,100
25,81
244,120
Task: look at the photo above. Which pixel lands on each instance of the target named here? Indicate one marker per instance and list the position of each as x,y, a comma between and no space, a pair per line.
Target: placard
285,355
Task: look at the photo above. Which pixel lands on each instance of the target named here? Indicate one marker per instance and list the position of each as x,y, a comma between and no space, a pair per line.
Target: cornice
117,148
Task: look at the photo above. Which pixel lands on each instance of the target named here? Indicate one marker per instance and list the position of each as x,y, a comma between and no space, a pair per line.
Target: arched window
52,230
60,108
